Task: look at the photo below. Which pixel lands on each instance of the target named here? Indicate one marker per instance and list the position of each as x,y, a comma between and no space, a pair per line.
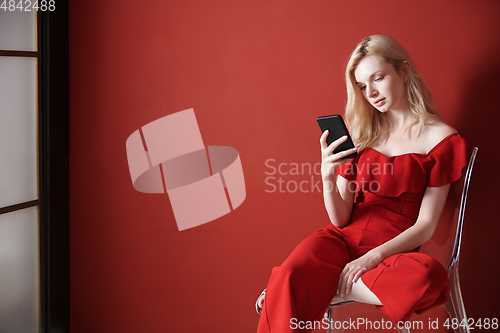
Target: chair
442,246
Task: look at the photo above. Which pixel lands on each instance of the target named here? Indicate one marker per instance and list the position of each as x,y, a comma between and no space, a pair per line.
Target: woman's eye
362,88
379,79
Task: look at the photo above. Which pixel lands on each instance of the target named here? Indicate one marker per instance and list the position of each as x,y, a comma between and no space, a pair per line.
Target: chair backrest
444,245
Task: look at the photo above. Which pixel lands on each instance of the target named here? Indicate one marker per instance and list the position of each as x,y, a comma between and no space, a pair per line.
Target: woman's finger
341,282
342,287
322,140
358,275
345,153
345,277
335,144
348,285
338,156
355,276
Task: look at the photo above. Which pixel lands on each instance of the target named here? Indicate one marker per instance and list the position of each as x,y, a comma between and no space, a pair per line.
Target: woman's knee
289,270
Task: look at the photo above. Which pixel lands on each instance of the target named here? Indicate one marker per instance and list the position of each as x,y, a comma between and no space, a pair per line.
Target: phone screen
336,127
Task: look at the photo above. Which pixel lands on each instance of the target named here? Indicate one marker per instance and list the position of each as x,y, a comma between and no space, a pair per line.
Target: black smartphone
336,127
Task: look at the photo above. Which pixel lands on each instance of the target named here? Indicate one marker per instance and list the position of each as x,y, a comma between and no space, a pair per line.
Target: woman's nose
371,92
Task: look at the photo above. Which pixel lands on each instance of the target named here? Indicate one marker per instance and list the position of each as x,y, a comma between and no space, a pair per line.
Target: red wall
257,74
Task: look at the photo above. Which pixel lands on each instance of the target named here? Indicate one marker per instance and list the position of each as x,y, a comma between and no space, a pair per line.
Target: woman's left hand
353,271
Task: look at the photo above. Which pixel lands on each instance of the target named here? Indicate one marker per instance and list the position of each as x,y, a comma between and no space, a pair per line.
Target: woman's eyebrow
374,73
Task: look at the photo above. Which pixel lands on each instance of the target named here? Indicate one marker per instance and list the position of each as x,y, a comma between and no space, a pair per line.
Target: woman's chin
382,109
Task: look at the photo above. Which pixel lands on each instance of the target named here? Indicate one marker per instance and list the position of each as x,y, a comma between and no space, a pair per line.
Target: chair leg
332,328
329,317
339,314
455,305
403,330
336,326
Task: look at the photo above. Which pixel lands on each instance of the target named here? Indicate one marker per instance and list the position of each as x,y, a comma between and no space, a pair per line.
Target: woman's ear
406,68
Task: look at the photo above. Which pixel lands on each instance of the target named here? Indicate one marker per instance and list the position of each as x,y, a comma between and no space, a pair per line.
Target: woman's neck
398,120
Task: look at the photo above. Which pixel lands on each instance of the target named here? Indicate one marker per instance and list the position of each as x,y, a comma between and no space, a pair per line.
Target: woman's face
382,86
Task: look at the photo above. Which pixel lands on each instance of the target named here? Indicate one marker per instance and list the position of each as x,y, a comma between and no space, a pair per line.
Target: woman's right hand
330,162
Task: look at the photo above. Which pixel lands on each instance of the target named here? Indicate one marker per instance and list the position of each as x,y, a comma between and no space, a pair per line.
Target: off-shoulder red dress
388,202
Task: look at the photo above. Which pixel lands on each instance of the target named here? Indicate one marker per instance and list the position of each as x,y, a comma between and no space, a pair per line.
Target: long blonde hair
366,124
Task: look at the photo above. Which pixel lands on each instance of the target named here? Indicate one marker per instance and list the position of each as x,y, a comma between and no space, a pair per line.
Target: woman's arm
423,229
338,199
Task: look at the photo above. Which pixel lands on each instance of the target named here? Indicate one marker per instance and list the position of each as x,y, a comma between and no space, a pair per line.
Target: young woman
382,204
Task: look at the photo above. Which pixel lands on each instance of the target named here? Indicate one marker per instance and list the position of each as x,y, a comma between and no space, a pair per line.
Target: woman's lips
379,102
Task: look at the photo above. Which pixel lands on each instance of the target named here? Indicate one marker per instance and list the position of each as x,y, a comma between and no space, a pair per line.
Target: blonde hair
365,122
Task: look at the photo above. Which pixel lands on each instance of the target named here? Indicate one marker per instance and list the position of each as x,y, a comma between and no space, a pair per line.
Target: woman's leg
301,289
406,283
359,293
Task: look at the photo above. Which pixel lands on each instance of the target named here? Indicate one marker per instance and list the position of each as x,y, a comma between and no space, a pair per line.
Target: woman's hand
330,162
353,271
336,192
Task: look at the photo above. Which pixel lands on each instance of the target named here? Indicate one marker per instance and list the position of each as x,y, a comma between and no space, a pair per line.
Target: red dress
388,202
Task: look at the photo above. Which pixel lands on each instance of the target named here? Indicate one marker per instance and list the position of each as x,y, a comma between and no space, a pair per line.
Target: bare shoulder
434,132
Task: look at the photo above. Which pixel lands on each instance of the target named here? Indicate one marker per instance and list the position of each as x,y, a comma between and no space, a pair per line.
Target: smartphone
336,127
